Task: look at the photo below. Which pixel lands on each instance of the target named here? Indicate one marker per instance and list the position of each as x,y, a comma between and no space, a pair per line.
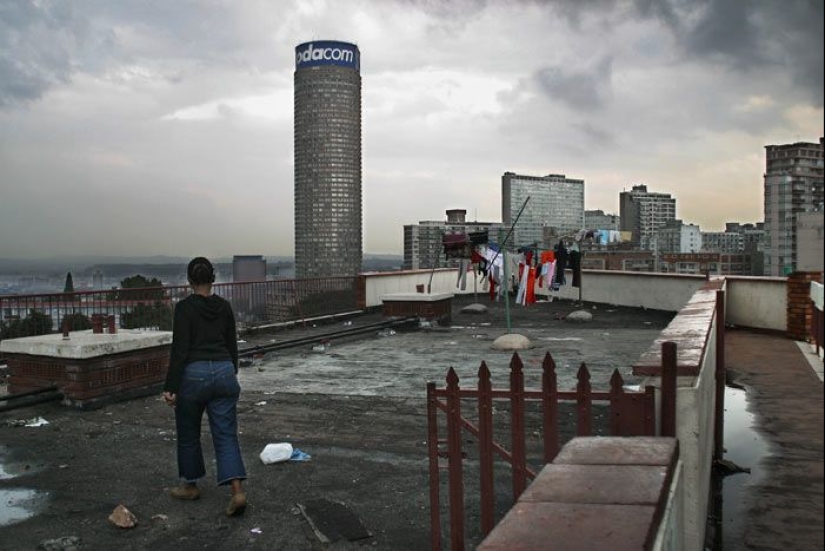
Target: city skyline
137,130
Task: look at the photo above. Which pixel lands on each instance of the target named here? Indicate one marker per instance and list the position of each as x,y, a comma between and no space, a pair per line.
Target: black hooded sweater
203,329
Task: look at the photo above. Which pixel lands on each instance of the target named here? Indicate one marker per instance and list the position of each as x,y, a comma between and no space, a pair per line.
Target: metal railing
254,303
632,413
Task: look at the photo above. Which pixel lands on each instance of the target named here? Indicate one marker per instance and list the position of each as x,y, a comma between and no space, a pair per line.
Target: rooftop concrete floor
784,509
363,421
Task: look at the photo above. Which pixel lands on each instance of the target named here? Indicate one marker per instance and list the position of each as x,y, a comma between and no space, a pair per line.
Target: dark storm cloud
579,88
751,35
35,48
44,44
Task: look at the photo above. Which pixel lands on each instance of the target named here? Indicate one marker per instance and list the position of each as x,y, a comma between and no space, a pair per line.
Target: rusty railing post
550,407
456,479
584,424
719,425
432,451
668,420
485,448
517,426
616,404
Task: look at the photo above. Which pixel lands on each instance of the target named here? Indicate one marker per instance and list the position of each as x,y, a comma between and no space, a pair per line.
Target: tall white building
643,213
793,186
555,202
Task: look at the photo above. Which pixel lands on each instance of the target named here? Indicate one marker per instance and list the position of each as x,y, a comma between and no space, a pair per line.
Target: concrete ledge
599,493
616,450
571,527
85,344
690,330
416,297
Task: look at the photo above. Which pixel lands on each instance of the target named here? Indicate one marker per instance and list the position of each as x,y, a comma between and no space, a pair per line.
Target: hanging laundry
456,245
522,285
479,237
463,266
561,262
530,297
576,266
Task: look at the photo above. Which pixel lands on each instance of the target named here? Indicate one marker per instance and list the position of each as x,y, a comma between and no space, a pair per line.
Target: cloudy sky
165,127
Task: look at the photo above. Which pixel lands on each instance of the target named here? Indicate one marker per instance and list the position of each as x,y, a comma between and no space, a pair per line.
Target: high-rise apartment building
753,235
642,213
423,245
677,237
793,185
810,240
723,242
327,159
555,202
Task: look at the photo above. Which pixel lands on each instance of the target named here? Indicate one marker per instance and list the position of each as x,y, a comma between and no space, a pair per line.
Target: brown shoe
185,491
237,504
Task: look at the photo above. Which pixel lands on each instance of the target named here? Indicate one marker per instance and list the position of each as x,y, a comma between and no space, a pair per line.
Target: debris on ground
333,520
276,453
66,543
34,422
298,455
123,517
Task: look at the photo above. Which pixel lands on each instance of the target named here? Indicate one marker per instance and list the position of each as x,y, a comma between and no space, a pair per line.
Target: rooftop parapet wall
756,302
694,330
656,291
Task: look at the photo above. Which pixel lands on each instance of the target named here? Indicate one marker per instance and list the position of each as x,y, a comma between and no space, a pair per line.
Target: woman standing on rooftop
202,375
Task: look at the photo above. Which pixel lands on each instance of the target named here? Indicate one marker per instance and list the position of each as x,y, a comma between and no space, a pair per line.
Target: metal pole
502,251
506,285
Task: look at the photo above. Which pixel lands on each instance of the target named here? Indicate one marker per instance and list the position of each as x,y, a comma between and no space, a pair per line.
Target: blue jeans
210,386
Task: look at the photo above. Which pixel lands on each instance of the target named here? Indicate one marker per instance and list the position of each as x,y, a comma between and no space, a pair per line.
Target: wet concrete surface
358,409
783,507
745,448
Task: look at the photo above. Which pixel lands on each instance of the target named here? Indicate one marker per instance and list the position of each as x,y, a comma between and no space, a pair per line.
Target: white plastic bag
275,453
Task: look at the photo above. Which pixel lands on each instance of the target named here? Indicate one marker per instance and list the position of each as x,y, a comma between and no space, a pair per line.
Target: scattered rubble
66,543
123,517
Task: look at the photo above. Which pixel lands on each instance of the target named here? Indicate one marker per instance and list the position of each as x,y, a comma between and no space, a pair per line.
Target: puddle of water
745,447
18,504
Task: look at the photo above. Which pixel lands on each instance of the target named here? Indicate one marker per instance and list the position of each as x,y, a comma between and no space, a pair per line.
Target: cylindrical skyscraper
327,159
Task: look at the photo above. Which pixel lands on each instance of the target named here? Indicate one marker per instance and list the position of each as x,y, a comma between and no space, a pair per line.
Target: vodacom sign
327,53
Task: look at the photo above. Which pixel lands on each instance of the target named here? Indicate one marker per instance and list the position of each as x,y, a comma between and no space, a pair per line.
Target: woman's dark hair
200,271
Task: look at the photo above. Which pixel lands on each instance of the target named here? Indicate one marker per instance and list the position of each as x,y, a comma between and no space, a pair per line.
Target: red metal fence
254,303
631,414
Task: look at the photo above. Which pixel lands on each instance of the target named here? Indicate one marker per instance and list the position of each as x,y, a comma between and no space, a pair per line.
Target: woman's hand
170,398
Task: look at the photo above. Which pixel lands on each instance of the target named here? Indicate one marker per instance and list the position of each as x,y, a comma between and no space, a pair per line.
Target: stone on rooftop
580,316
512,341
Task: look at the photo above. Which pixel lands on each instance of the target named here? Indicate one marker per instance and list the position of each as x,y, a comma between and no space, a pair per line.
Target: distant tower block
327,159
